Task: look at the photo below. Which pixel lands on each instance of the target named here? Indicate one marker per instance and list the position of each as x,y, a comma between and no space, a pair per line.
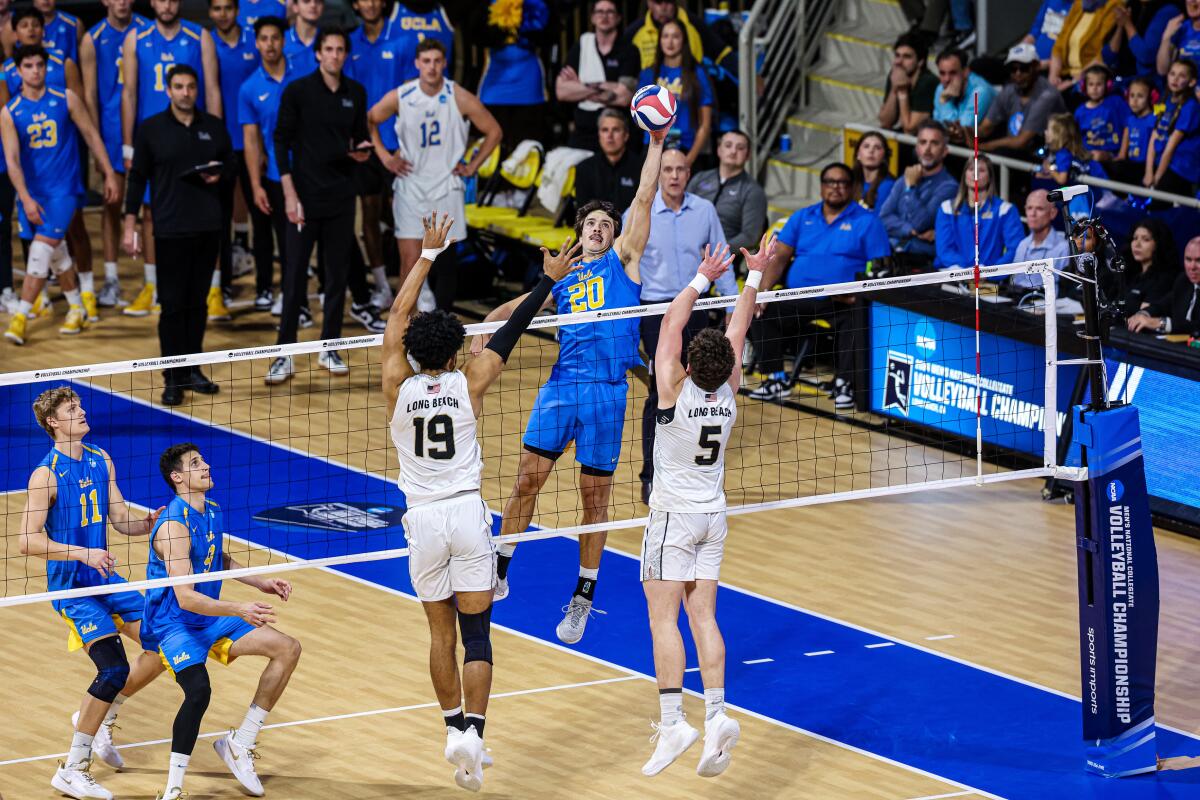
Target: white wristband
432,253
127,152
700,284
753,279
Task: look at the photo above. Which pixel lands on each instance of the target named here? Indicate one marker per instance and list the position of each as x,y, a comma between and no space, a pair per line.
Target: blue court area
953,720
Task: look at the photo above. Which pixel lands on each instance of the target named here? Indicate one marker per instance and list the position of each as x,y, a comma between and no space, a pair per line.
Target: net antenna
978,358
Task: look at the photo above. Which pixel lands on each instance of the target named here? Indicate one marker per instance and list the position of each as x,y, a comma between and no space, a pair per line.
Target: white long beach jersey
433,137
433,429
689,450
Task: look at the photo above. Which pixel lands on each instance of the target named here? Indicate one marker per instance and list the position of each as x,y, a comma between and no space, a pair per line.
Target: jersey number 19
439,430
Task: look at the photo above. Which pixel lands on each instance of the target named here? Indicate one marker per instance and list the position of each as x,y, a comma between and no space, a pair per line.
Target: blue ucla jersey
235,63
408,28
156,55
302,57
598,351
49,144
79,516
258,104
56,73
1102,126
62,34
251,11
1140,130
207,530
377,66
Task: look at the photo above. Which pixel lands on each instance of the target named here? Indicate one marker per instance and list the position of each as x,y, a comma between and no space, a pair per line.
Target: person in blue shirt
189,622
236,60
954,99
251,11
100,65
1133,48
412,21
1046,26
825,243
298,44
1000,229
513,84
872,180
72,497
910,210
584,399
1181,39
41,147
1102,116
61,72
675,69
1139,124
1066,161
146,56
63,30
1045,241
1173,159
258,106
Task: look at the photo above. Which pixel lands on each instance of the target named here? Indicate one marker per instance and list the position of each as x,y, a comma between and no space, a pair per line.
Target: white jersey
689,450
433,137
433,429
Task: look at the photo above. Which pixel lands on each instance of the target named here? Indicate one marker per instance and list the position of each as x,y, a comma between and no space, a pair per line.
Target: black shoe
647,487
172,395
198,383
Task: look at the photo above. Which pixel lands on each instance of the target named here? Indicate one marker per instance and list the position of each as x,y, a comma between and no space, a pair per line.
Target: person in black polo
320,135
183,153
612,174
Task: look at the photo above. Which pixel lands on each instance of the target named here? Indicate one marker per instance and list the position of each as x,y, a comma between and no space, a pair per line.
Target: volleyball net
305,472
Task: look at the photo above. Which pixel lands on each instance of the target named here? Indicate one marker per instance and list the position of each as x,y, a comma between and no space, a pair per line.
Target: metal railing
1004,166
787,33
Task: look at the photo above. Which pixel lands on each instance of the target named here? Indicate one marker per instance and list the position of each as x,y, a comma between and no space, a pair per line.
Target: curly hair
47,403
597,205
433,338
710,357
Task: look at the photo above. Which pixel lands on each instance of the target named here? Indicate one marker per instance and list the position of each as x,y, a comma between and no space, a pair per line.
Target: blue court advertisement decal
334,515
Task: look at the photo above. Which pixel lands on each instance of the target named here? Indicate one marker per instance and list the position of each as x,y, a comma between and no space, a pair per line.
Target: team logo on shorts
334,516
182,657
899,382
89,627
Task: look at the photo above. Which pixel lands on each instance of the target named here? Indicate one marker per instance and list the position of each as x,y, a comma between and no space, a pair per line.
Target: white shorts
450,547
683,547
407,212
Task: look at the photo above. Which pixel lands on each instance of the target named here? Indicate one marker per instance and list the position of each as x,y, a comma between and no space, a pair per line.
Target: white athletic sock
590,574
114,709
24,307
110,271
87,282
151,273
714,703
241,227
81,749
380,274
506,550
73,298
216,280
179,765
670,706
247,735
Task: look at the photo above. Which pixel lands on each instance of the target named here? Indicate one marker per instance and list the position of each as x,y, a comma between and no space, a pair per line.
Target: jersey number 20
708,441
586,295
439,430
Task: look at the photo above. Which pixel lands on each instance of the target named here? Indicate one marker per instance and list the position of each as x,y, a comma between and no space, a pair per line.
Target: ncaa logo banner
1118,594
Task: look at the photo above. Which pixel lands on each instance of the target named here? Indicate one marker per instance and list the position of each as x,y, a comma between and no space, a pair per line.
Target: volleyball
653,108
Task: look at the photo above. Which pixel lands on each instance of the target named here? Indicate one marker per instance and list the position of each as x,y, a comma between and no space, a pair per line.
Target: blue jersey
1140,129
513,74
206,554
301,56
79,516
409,28
597,351
683,130
1181,118
235,63
156,55
1187,39
1102,126
56,74
258,104
377,66
251,11
62,34
49,144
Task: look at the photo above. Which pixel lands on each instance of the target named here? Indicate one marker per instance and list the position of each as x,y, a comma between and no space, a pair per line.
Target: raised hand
716,261
559,266
436,233
758,262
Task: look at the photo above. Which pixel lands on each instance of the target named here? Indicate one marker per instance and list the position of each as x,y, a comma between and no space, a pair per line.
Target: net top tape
1039,266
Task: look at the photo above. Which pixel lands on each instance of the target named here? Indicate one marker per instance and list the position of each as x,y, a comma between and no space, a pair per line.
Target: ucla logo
419,24
85,483
182,657
88,628
38,117
1115,491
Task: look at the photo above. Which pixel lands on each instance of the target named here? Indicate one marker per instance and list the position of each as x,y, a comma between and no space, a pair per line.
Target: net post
1050,402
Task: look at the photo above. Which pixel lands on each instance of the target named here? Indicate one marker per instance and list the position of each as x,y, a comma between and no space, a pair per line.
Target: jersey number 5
708,442
439,431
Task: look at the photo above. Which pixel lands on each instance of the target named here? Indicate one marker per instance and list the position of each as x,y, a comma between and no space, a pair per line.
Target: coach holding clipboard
182,153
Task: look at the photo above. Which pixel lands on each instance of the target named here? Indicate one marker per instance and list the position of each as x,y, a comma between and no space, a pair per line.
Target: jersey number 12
439,431
431,133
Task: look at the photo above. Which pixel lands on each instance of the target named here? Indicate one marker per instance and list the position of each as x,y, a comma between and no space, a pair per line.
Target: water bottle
785,143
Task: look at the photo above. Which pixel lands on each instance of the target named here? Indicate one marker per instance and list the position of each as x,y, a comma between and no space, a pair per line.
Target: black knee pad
476,631
196,687
112,668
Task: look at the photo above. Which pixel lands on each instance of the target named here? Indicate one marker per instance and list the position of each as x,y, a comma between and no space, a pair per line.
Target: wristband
127,152
754,279
700,284
431,253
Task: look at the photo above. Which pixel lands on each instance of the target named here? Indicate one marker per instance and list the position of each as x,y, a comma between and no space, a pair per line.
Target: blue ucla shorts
93,618
591,414
57,212
110,134
182,646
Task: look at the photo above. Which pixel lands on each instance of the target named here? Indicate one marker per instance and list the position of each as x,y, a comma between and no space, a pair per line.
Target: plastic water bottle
785,143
